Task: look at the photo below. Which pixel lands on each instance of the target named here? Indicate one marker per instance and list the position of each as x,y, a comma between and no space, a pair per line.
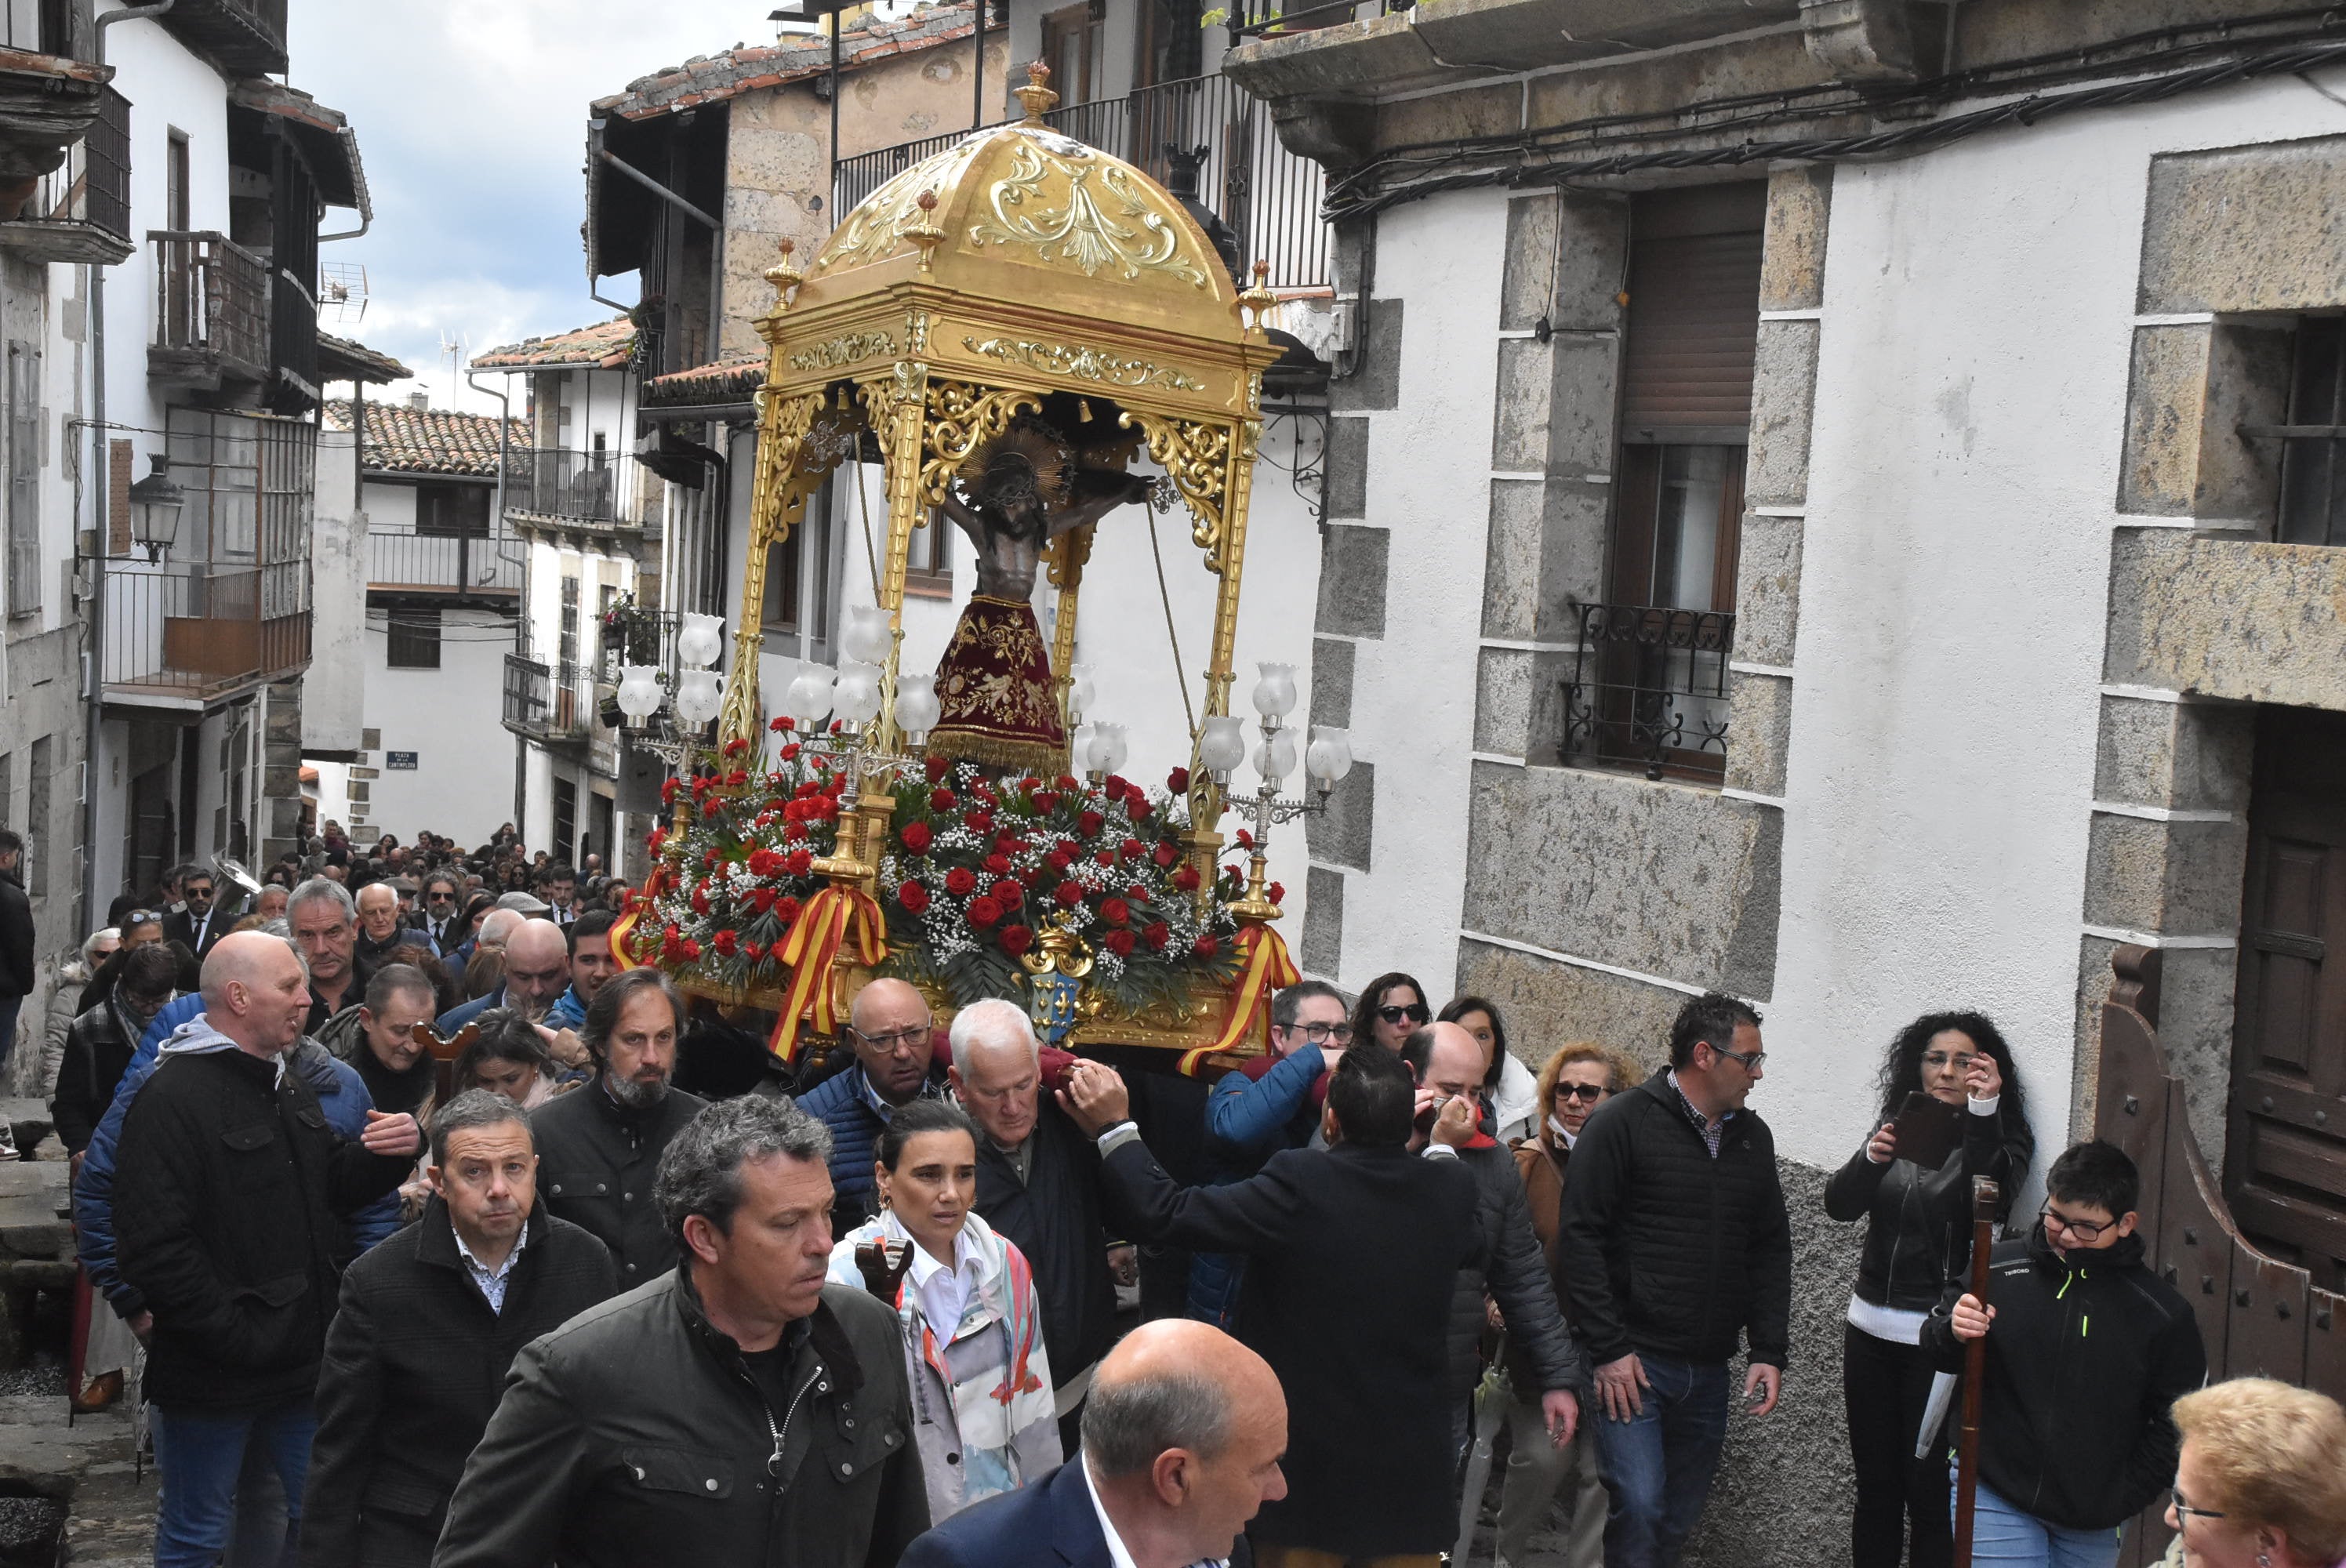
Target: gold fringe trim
995,751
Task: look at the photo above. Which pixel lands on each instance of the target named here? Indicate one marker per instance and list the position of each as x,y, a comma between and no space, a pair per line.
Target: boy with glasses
2087,1350
1258,1109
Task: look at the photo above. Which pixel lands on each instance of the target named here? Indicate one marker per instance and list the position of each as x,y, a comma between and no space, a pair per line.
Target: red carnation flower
960,881
691,951
934,767
1177,780
1277,892
984,912
786,911
1015,939
1115,912
1246,839
915,838
764,862
799,862
655,840
1089,823
914,897
941,799
728,942
1119,942
701,900
735,747
1067,781
1186,878
794,831
1156,934
1006,893
761,899
752,951
1069,894
667,792
779,725
1207,946
1167,854
998,864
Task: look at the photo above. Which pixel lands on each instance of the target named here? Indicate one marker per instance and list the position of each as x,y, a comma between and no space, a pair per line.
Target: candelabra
854,697
644,699
1222,745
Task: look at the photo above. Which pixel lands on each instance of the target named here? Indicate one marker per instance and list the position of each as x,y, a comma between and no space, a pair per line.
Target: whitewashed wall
451,718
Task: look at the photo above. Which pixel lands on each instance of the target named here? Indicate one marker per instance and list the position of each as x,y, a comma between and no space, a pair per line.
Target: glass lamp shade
917,705
1079,688
1274,756
1330,757
1274,692
858,693
866,637
809,697
699,640
1108,748
639,690
697,696
1223,744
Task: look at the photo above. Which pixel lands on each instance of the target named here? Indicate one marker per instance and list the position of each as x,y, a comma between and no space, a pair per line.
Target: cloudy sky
471,121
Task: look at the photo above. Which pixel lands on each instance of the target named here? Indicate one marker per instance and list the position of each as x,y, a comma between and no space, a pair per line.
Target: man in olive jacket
736,1412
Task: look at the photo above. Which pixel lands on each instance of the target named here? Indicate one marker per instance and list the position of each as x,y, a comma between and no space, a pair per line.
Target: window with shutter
24,503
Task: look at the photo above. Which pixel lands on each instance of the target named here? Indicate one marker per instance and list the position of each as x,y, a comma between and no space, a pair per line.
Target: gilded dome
1021,211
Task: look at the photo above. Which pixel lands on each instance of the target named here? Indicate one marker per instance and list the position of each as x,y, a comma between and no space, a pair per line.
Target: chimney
420,402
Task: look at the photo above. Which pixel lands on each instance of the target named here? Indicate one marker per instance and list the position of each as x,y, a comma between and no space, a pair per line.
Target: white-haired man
1038,1183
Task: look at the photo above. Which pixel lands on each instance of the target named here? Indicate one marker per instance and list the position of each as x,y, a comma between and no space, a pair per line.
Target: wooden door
2285,1143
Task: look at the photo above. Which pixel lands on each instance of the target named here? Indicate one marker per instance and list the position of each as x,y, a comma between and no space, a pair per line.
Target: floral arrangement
973,867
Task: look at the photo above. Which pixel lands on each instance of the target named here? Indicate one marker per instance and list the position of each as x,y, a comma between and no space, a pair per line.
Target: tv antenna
343,289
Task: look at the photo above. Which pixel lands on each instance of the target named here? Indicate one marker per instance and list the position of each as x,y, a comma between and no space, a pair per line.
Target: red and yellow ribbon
832,916
1268,969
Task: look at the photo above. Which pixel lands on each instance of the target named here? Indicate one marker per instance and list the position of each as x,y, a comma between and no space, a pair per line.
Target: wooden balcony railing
211,308
194,628
481,564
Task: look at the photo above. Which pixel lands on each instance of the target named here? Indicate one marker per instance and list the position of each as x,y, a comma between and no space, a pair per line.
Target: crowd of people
619,1287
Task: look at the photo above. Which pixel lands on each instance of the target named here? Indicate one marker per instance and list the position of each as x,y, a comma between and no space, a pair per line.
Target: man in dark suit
1352,1255
430,1322
199,926
1182,1438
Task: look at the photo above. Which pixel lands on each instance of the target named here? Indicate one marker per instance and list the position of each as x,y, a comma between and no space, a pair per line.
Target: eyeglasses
2084,1230
1750,1060
1322,1034
194,893
2183,1509
1592,1093
902,1042
442,898
1416,1013
142,917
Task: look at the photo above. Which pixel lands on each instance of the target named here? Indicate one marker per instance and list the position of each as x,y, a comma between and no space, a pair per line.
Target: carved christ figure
1016,495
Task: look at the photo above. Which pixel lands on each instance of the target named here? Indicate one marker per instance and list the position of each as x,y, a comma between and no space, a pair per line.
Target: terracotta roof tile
402,440
730,379
604,346
346,358
712,78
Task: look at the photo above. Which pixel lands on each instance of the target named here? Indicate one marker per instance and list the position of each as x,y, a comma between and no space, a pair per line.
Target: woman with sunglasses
1579,1078
2261,1480
1390,1009
1918,1240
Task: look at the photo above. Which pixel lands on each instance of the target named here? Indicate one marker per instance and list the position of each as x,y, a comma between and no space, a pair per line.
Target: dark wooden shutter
1694,313
2285,1143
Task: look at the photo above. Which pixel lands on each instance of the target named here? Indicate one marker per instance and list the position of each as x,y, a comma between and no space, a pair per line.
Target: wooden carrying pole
1986,1196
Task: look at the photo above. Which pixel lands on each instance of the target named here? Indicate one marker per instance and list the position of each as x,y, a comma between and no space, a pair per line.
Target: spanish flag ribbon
1268,969
834,915
623,931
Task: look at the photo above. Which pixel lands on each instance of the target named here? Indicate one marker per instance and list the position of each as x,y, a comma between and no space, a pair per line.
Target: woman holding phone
1918,1237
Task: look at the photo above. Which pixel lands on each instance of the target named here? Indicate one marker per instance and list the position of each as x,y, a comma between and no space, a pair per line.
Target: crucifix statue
1014,495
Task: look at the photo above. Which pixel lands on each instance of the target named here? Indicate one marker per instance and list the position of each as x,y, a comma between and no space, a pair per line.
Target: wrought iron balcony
551,484
80,212
481,564
211,311
181,631
246,36
1649,691
1268,196
552,704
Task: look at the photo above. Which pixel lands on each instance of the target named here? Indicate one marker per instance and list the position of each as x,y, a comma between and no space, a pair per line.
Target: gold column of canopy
1018,272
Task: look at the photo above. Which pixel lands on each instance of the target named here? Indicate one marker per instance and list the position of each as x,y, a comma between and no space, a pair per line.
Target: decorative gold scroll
778,495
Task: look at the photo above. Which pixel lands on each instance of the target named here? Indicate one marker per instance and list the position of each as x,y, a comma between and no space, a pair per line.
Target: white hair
322,891
993,1022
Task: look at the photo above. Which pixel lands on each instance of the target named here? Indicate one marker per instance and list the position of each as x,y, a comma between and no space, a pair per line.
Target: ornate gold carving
916,332
1087,364
1137,239
844,350
962,418
777,498
878,229
1197,455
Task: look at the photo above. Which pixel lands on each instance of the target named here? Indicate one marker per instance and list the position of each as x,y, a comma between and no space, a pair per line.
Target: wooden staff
1986,1196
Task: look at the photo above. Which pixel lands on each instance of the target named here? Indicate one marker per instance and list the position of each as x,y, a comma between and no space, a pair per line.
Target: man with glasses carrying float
892,1031
1270,1104
2087,1350
1672,1247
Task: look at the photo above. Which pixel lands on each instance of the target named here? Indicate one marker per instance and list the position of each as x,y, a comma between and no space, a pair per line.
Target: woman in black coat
102,1041
1918,1237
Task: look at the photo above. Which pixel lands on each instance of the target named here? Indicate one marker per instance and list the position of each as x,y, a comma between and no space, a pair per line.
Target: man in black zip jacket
1673,1244
2087,1350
